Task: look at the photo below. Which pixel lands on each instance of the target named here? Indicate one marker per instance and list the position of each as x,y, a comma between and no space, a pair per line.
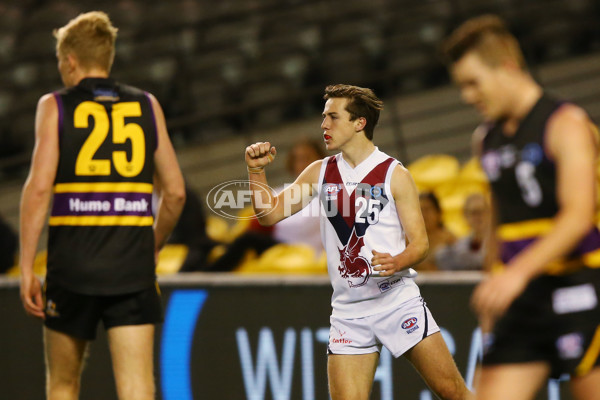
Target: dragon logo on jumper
353,267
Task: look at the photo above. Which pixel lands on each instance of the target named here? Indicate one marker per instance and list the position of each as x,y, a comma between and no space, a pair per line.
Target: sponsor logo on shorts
390,283
341,339
570,346
51,309
573,299
409,323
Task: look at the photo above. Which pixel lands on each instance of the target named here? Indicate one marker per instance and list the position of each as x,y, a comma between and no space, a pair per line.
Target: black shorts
78,314
555,320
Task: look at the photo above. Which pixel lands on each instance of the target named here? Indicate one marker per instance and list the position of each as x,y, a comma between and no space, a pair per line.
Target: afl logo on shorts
409,323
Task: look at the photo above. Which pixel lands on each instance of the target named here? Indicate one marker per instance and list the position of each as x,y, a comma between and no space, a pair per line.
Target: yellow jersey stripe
592,259
590,356
525,229
87,187
104,220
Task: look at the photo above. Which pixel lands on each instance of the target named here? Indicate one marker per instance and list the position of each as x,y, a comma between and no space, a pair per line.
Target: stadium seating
233,72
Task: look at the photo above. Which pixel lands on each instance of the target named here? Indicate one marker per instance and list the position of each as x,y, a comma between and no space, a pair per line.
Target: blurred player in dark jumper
99,146
540,313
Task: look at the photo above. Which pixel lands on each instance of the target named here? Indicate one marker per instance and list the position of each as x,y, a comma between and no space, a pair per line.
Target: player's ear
360,123
72,61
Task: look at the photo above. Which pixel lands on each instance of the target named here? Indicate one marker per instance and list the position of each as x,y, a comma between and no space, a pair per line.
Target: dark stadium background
232,72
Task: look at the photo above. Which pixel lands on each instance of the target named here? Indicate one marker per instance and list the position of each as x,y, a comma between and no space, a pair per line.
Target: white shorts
398,330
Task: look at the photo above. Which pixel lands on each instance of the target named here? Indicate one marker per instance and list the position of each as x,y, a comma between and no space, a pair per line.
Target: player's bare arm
35,200
170,179
490,241
272,209
406,198
575,157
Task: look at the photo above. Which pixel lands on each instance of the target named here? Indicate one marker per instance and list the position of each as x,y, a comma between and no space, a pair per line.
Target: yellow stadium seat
472,172
171,258
39,265
241,224
432,170
286,258
217,228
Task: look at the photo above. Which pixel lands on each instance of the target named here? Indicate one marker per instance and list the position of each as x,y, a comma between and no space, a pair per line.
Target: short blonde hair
90,37
489,37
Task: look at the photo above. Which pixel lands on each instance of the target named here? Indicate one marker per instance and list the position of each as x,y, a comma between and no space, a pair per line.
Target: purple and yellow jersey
101,239
523,182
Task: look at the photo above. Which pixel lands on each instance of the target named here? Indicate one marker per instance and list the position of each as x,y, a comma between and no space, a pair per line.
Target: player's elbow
581,219
266,221
38,188
178,197
586,221
174,196
422,248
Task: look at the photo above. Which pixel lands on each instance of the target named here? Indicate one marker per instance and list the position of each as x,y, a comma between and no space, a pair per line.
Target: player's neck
357,151
91,73
522,103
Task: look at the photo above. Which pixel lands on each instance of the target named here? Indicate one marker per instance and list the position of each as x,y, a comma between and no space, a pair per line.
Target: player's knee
62,387
145,391
62,380
345,394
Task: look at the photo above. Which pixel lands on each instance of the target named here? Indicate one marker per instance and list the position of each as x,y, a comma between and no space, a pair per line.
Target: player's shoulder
401,173
402,182
47,103
569,118
569,113
123,87
570,124
314,168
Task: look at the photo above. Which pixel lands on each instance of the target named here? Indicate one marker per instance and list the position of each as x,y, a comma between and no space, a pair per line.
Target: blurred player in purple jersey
539,312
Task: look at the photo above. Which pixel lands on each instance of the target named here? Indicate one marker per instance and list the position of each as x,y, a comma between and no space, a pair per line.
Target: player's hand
260,154
384,263
493,296
31,296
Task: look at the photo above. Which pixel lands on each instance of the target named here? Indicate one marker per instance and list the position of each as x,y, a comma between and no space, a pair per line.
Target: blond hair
362,102
90,37
489,37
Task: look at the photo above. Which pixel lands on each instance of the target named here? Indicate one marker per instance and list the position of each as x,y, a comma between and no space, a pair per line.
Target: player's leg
511,381
64,361
129,320
351,376
131,349
587,387
435,364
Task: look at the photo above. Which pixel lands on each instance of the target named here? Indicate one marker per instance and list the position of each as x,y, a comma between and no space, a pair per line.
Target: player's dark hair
362,103
488,36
